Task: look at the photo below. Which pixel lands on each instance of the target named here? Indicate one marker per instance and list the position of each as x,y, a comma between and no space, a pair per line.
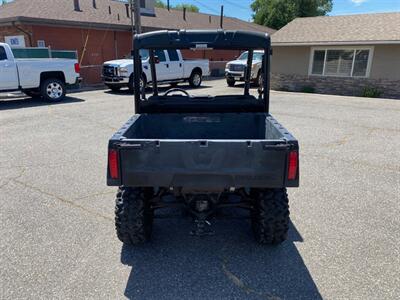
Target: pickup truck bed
198,151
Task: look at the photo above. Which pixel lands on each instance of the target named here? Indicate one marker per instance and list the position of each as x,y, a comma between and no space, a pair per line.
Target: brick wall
94,46
335,85
11,30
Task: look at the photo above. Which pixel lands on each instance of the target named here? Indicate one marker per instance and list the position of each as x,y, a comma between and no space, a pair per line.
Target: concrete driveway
57,236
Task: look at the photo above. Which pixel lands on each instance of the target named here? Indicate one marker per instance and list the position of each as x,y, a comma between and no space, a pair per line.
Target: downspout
29,34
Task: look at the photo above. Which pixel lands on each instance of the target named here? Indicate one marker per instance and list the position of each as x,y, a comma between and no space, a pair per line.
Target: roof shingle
349,29
62,12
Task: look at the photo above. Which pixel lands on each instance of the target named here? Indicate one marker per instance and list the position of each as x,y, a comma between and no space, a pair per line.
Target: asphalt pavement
57,237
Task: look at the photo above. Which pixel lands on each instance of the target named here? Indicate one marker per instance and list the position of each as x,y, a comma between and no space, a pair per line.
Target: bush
371,92
308,89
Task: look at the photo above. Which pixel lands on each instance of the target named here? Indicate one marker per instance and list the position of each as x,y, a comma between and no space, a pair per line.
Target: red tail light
293,165
77,68
113,164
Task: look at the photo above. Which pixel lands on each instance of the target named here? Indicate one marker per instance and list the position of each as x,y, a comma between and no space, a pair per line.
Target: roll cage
202,40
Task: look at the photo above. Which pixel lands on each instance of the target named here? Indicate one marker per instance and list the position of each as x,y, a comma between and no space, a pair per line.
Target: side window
3,55
173,55
160,54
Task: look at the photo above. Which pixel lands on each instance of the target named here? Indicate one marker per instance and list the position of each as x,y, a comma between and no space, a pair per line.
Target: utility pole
138,24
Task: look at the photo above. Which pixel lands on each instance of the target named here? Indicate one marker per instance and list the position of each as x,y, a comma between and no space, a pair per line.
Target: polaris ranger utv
205,152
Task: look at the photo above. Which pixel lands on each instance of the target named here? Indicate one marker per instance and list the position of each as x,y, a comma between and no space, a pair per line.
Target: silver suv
234,70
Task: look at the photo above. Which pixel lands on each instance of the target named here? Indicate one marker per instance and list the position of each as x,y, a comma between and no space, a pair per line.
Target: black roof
199,39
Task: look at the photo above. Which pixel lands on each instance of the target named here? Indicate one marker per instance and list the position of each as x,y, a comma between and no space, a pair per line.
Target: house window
343,62
142,3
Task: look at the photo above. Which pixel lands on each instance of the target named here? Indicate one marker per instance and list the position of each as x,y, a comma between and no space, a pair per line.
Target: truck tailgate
203,164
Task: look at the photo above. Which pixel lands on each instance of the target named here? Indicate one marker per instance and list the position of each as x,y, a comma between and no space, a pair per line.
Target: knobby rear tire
133,216
270,217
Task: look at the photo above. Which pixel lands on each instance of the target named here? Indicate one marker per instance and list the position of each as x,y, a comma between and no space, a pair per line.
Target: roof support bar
266,73
248,72
136,78
153,72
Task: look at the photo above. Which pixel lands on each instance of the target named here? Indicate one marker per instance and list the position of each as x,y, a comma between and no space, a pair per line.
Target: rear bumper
76,84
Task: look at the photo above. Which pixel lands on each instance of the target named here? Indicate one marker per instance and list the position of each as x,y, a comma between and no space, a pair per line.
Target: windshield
144,54
256,56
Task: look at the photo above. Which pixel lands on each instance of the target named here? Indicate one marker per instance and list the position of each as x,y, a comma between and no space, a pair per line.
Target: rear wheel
133,216
230,81
52,90
270,218
195,79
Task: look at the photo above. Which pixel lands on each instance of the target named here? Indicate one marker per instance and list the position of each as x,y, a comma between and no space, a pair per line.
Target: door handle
180,65
167,65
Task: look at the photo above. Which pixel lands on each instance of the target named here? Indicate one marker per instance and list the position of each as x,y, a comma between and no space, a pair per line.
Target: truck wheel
259,80
133,216
270,218
143,84
230,82
195,79
52,90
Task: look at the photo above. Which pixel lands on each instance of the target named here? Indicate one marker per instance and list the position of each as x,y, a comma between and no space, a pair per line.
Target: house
339,55
101,30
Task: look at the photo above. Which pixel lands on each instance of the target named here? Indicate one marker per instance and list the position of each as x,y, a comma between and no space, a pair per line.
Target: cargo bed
203,151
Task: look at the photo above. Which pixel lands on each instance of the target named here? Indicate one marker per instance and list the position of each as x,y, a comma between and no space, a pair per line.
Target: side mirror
156,60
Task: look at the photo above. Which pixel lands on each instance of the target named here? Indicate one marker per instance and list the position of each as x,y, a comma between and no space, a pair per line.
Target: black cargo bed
203,151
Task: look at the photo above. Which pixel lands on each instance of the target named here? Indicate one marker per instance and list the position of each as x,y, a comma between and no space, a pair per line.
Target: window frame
354,48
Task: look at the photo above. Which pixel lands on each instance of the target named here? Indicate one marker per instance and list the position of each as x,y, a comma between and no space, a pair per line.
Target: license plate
237,78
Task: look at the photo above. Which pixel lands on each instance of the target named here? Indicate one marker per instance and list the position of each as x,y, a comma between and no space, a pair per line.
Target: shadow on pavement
34,102
227,265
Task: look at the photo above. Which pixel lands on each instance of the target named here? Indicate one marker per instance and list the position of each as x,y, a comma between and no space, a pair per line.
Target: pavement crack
240,284
65,201
23,169
95,195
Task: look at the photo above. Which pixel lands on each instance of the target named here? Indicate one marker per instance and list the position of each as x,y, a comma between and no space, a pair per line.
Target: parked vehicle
46,78
235,70
202,153
170,65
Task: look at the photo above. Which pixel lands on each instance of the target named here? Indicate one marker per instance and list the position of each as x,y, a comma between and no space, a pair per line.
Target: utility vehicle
208,153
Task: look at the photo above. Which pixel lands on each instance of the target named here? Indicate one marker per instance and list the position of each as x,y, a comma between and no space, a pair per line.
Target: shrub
371,92
308,89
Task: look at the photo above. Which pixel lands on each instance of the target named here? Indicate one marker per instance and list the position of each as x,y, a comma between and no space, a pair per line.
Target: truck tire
143,83
195,79
133,216
258,80
52,90
270,217
230,82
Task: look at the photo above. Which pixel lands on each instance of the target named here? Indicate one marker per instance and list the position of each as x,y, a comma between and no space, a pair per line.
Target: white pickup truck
47,78
170,68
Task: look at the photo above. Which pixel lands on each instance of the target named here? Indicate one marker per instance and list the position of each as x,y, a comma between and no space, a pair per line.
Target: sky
241,8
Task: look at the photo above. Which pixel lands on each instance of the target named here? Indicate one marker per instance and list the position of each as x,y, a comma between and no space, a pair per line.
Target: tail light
113,163
77,68
293,165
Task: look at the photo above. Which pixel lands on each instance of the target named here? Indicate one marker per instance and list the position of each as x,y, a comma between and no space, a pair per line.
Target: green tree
277,13
160,4
189,7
